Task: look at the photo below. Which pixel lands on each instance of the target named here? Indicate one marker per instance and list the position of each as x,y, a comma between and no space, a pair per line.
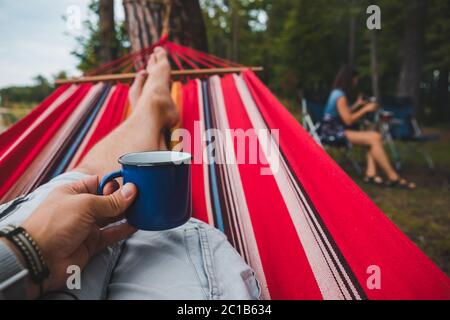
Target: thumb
86,185
115,204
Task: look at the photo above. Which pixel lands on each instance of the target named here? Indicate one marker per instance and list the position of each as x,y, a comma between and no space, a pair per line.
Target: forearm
355,116
355,106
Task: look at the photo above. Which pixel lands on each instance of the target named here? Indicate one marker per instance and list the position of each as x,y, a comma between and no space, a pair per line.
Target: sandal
401,183
375,180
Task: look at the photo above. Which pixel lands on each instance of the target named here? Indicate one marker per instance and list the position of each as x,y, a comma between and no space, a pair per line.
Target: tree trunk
351,40
443,94
412,52
375,64
187,24
107,36
148,20
235,31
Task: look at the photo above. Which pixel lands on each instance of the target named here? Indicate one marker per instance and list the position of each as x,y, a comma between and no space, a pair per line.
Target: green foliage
24,95
251,28
310,49
304,42
438,35
87,51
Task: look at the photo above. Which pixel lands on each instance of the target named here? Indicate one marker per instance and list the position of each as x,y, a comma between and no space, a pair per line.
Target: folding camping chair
312,114
405,127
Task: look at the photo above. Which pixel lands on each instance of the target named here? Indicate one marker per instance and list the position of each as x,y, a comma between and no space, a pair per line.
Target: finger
114,234
115,204
87,185
111,187
104,222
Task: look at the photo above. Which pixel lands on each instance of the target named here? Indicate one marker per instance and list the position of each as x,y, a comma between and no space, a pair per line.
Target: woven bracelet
30,251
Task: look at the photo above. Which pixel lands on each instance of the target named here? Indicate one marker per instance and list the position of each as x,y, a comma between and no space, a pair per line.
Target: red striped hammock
303,225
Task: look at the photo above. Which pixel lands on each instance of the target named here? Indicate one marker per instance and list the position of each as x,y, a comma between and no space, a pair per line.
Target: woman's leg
375,142
371,170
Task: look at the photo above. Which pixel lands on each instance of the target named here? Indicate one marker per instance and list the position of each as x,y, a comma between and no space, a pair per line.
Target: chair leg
424,153
391,144
309,125
427,158
356,166
353,162
396,155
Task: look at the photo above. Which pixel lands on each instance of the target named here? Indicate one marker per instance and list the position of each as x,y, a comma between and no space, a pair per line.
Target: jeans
194,261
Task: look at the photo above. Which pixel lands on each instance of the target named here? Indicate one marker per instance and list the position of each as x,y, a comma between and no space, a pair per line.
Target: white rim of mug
185,157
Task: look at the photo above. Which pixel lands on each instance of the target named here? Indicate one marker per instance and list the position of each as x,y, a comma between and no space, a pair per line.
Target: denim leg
194,261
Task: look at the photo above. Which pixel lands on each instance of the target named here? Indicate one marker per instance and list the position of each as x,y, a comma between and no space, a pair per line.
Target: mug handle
110,176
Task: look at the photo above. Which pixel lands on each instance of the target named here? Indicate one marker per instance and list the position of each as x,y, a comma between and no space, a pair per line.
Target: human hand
69,224
360,101
371,107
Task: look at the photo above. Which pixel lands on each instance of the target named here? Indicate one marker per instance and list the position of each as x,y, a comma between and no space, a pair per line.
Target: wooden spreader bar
175,74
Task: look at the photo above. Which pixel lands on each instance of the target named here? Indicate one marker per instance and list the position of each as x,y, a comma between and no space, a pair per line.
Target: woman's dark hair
344,79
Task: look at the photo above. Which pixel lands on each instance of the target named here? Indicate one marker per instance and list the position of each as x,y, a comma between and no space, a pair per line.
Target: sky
35,39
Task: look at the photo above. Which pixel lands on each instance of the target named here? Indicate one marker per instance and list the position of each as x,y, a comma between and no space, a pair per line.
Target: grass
424,214
15,112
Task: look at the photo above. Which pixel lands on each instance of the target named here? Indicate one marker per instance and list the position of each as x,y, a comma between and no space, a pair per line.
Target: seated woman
339,115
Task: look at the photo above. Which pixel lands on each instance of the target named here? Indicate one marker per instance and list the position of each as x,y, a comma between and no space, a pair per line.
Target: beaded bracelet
30,251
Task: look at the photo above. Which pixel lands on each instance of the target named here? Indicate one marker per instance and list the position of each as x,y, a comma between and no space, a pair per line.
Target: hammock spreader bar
175,74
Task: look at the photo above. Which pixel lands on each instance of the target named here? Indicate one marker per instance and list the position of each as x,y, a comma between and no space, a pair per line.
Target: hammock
303,225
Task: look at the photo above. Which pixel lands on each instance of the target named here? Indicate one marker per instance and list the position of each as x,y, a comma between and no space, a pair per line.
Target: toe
136,88
151,60
160,53
139,79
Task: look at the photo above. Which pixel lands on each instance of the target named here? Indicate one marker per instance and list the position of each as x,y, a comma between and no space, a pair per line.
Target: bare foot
156,91
136,88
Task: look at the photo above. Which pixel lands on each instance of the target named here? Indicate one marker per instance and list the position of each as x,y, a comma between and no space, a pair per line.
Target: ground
423,215
13,112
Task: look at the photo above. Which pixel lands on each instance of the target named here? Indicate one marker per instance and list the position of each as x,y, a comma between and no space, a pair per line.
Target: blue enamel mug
163,180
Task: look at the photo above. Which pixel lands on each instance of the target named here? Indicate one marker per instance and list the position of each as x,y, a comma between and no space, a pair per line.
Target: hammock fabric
303,225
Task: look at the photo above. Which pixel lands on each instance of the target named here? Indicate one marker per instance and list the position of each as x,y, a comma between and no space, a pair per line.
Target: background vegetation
303,43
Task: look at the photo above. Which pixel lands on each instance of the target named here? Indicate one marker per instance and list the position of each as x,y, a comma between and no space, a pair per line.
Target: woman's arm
345,112
359,102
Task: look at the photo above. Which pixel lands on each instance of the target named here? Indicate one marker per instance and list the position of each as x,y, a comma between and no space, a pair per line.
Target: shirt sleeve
339,94
12,275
